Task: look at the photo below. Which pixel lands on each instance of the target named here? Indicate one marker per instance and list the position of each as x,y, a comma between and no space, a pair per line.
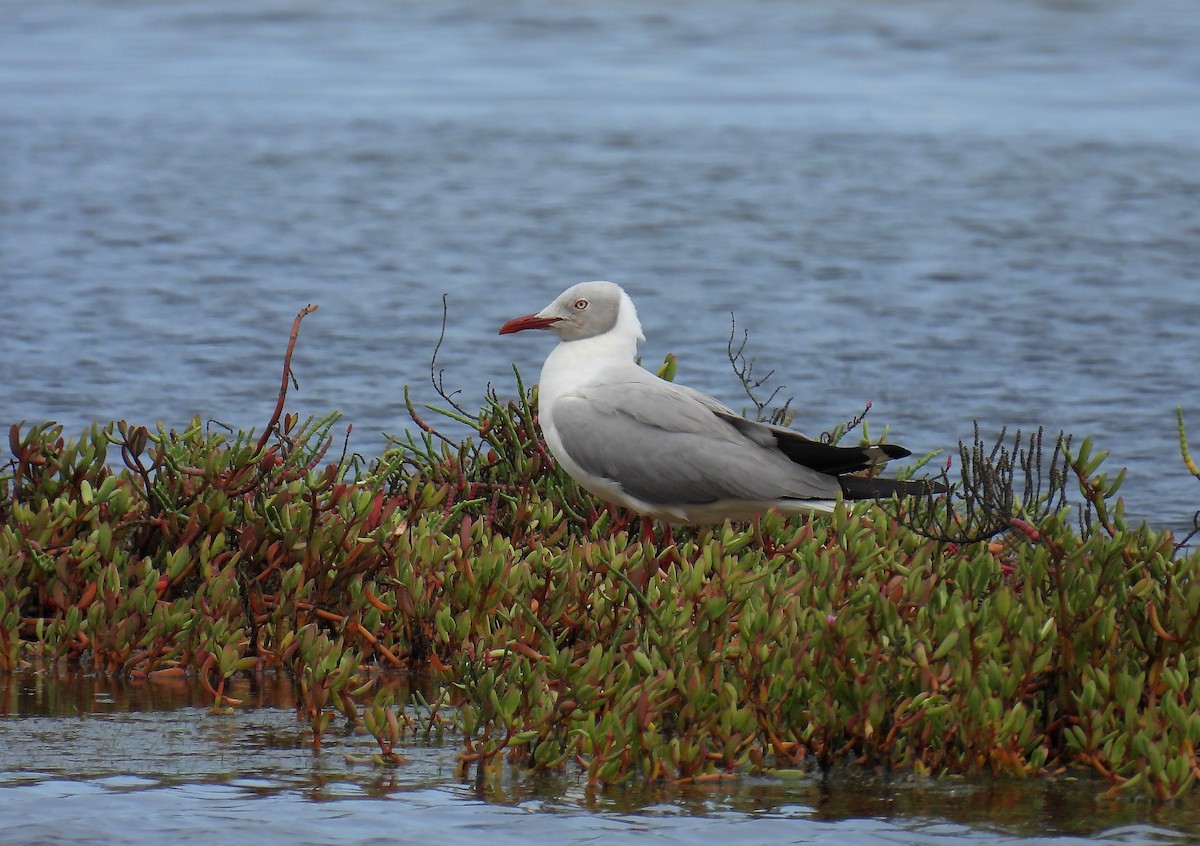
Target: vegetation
996,630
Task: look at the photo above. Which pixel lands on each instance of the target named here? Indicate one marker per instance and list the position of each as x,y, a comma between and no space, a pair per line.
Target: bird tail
873,487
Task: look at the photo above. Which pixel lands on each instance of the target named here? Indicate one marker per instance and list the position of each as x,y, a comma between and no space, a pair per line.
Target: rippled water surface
954,211
86,760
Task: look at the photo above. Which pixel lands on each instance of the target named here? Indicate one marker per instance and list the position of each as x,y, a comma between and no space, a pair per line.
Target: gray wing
816,455
670,445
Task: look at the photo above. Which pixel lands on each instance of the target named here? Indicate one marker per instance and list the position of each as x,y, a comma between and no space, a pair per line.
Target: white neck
574,363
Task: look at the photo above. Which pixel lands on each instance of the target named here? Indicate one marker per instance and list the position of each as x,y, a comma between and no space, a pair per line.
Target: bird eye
580,305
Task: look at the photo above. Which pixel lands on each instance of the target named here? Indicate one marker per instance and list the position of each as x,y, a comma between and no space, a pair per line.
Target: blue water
90,760
955,211
204,814
986,211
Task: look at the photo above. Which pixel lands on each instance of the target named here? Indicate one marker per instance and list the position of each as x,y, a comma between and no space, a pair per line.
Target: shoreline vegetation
1006,629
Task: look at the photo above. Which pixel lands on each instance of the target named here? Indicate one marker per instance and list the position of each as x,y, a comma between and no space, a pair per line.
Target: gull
670,452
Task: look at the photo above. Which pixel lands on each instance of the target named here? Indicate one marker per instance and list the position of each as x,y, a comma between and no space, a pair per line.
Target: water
954,211
92,760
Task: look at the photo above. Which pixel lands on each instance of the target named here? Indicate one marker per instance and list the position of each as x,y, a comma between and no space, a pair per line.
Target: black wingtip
873,487
834,460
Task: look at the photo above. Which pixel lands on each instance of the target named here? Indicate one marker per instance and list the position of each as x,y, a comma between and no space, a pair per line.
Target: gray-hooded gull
668,451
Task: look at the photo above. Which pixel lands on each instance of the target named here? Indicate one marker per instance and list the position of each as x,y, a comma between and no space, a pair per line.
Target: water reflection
58,726
63,692
986,214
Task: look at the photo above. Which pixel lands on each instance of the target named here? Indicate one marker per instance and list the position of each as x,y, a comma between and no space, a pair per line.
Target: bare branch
985,501
1187,539
843,429
287,374
743,368
437,377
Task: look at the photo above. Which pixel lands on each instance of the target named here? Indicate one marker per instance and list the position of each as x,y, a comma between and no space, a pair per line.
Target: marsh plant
1019,626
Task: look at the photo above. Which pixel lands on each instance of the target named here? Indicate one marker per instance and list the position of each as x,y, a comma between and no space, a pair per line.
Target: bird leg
621,518
647,530
758,536
668,551
668,539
